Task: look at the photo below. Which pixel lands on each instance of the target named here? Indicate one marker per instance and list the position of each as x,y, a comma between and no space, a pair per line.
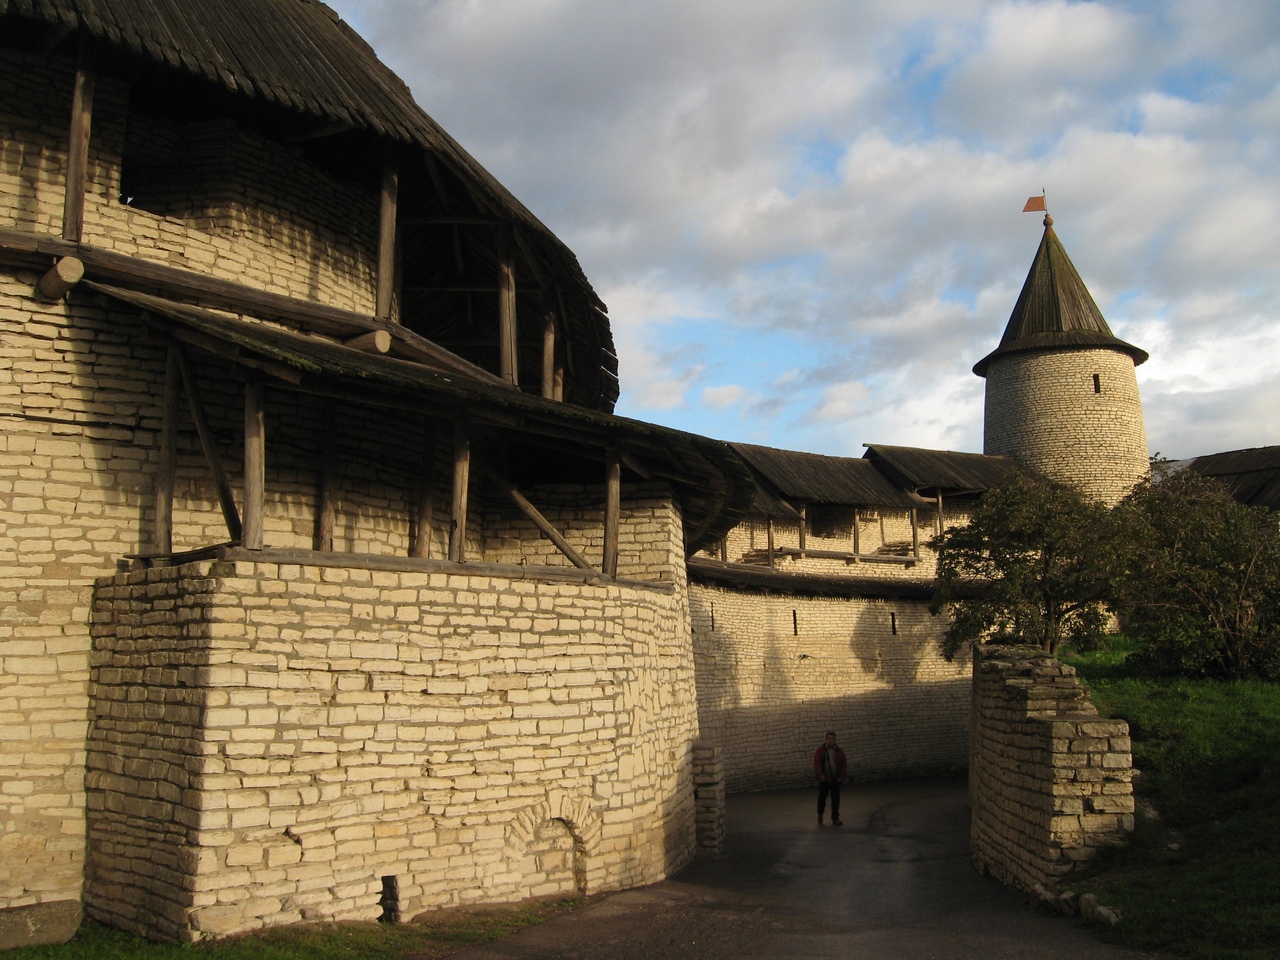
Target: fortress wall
1049,780
221,200
271,742
1042,410
776,672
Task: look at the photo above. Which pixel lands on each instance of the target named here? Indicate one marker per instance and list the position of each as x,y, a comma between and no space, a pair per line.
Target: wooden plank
461,483
255,463
939,523
549,356
612,512
423,516
208,444
915,534
78,143
507,328
162,532
326,508
804,522
772,552
856,533
388,202
534,514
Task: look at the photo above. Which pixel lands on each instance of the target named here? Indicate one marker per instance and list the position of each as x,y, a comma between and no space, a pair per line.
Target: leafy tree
1198,579
1032,566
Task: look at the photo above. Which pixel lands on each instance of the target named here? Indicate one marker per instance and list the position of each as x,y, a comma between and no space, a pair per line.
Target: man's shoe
836,821
819,820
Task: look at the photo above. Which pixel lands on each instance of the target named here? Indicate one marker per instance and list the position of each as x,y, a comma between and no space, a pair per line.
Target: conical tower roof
1055,310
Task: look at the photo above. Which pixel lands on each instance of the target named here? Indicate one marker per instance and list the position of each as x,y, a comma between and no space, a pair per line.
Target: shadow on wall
776,672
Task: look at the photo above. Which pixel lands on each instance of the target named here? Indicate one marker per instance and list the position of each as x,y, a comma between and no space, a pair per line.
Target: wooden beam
532,512
162,532
437,180
804,520
451,218
461,483
255,462
940,518
769,528
326,509
389,201
549,357
507,329
459,260
230,351
423,518
857,547
64,275
78,146
915,535
377,341
612,512
208,444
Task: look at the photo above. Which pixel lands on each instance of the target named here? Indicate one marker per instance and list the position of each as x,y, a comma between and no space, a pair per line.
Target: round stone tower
1062,395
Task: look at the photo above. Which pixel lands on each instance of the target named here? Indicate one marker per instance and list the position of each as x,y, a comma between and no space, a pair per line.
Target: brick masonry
1049,780
270,742
776,672
1042,410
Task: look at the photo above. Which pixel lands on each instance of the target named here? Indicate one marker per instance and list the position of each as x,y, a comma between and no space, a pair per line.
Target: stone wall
270,742
1049,780
1042,409
237,206
776,672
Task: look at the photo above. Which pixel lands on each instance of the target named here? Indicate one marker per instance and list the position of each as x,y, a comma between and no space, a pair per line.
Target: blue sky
805,217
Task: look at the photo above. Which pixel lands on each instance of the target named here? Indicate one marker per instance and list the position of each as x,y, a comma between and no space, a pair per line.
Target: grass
1202,876
432,936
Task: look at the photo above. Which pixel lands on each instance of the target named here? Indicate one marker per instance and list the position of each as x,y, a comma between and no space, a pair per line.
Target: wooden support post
326,510
389,197
549,357
940,518
804,522
423,520
856,533
461,482
78,147
208,444
557,392
255,463
915,534
64,275
162,534
612,512
507,335
769,528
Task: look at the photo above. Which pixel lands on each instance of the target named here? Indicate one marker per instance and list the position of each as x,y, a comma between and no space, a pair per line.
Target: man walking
830,767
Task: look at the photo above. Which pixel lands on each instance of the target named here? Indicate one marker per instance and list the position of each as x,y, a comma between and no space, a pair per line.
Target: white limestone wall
271,742
776,672
1042,409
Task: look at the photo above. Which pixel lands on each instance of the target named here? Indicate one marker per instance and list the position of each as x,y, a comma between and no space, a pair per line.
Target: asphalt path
895,882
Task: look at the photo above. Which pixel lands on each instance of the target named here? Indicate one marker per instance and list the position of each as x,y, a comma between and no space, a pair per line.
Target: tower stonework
1062,393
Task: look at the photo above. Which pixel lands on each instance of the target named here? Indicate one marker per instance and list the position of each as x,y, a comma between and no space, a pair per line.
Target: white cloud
816,203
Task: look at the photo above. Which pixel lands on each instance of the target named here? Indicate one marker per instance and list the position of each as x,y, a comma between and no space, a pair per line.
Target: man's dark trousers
834,789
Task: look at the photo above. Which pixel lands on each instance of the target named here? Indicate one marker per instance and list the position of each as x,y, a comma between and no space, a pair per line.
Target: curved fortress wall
1072,415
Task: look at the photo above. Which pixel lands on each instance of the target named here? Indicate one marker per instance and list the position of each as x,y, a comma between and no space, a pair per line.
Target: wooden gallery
330,586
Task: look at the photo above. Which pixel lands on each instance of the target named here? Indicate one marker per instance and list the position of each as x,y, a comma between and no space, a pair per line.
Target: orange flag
1034,203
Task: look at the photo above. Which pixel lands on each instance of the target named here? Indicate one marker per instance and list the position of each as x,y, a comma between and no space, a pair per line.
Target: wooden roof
739,576
814,478
941,470
712,484
1252,475
1055,310
299,59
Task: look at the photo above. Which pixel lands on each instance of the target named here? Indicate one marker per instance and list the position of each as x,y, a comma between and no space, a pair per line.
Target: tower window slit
1097,384
893,624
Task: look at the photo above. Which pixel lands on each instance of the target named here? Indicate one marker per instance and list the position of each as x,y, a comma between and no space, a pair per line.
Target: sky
805,216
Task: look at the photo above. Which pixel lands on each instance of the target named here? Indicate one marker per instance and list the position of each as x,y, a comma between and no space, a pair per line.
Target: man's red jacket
842,765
